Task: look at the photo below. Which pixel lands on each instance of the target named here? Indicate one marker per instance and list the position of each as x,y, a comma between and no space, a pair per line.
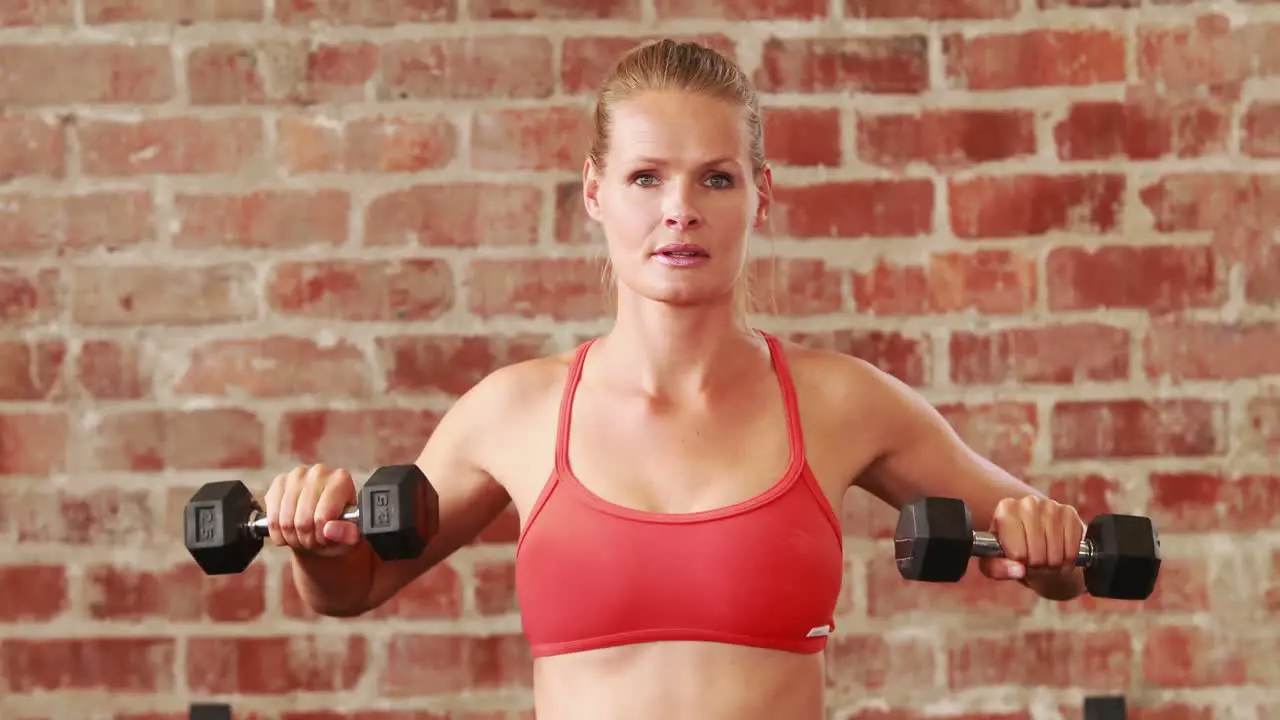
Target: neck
667,350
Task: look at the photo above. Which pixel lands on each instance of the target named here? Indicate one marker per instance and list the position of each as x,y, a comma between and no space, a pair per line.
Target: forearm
336,586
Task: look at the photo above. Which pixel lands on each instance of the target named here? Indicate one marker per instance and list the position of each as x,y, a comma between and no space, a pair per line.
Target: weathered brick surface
230,228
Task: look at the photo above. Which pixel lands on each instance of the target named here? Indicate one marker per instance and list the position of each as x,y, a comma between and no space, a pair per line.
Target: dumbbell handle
985,544
257,524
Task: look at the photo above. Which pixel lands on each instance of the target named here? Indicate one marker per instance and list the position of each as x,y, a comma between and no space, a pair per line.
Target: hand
303,507
1039,537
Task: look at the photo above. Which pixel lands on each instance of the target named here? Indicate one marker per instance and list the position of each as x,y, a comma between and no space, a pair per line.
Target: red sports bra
763,572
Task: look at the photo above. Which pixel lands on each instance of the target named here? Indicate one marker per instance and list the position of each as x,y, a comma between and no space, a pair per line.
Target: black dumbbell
1105,707
209,711
935,539
398,514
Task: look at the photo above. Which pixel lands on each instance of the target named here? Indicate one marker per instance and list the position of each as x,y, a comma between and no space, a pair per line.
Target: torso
631,454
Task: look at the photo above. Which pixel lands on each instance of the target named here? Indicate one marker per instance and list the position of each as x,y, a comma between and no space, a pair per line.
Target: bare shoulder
838,380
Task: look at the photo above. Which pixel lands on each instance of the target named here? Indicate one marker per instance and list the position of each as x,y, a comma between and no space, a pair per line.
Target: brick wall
240,234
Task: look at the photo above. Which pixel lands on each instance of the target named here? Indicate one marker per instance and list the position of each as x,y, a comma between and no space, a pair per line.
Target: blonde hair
683,66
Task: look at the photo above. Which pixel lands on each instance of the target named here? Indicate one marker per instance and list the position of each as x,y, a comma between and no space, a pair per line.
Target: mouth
682,251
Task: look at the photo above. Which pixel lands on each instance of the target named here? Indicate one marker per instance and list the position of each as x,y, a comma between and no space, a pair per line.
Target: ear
764,190
591,189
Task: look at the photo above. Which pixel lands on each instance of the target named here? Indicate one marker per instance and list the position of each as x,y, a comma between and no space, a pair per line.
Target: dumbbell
209,711
398,513
1105,707
934,540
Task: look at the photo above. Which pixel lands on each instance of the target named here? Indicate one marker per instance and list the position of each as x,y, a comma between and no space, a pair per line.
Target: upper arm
920,454
469,497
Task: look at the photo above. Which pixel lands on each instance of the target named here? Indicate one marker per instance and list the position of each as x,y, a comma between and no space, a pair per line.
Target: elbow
336,607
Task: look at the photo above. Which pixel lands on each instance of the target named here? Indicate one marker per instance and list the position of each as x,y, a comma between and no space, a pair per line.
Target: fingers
300,503
1009,526
1037,533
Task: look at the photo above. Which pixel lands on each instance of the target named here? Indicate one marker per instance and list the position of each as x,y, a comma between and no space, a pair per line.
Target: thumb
1002,569
341,531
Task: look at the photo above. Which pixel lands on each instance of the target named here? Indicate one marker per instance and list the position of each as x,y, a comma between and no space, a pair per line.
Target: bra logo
819,631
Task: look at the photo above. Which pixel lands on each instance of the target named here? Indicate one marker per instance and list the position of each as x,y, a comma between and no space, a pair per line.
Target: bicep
469,498
923,456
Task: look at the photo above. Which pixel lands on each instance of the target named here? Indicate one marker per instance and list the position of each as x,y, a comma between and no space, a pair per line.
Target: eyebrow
709,163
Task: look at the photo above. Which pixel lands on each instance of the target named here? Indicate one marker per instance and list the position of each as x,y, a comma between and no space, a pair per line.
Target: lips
687,250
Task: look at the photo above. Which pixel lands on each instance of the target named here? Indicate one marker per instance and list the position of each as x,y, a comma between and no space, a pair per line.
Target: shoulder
847,390
516,388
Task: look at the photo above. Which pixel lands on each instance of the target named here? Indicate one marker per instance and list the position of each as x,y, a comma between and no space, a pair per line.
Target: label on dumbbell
381,515
206,525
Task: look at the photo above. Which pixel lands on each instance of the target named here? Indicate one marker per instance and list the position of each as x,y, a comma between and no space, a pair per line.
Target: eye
643,179
720,181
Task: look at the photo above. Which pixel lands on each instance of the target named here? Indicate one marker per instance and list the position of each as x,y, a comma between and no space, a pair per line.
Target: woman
678,478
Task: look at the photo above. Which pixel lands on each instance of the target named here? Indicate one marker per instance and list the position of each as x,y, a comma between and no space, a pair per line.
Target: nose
679,213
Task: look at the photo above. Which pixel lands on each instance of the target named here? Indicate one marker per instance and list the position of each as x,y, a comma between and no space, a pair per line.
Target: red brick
495,587
108,664
945,138
1060,354
1263,418
1092,660
888,594
170,146
1090,493
530,139
467,68
43,594
1137,428
879,65
560,289
32,370
1261,131
262,219
585,61
1031,205
865,516
1190,657
163,295
51,74
1035,58
930,714
573,226
1205,351
731,10
857,663
451,364
109,370
554,9
1210,201
381,144
375,13
1142,129
276,664
355,439
1004,432
387,715
932,9
33,443
26,13
436,595
31,145
103,518
906,357
183,12
1209,52
235,74
1183,587
439,664
181,593
29,296
795,287
854,209
1052,4
1261,278
1160,279
504,529
63,225
456,215
155,440
351,290
803,136
992,282
276,366
1205,502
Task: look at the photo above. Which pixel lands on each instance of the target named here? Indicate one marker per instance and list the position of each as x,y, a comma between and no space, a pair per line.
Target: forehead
678,125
